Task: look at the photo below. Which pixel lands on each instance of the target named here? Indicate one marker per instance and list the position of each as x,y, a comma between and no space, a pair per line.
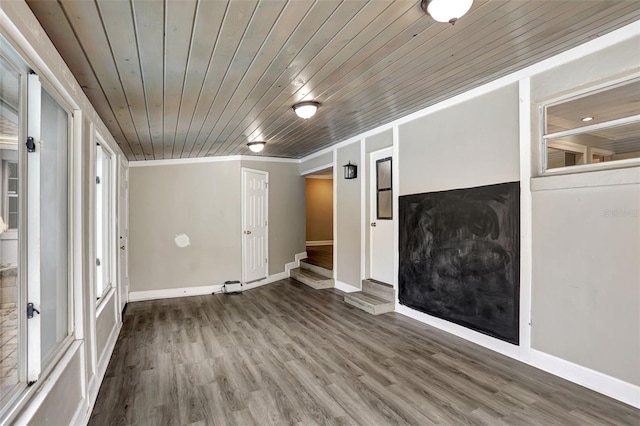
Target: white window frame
546,140
110,243
23,393
35,365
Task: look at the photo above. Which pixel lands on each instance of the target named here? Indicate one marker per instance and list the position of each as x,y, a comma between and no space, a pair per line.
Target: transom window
601,126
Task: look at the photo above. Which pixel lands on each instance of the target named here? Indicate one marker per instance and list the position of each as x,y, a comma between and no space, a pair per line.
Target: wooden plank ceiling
189,78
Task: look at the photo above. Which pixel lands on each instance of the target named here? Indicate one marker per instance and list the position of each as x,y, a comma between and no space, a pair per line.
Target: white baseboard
345,287
591,379
136,296
268,280
319,243
496,345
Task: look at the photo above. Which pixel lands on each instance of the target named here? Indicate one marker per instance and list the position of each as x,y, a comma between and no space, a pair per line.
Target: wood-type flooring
285,354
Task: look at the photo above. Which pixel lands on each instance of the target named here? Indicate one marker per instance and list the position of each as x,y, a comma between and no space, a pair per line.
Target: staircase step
305,264
311,279
370,304
379,289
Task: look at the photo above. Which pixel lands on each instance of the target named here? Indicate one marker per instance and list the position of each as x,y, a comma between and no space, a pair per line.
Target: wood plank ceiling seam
57,14
386,22
318,15
213,80
194,78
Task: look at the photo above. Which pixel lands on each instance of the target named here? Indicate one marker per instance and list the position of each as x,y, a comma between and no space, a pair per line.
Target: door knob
373,224
121,247
247,232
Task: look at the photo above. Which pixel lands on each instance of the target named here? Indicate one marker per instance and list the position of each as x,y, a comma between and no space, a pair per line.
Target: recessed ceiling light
256,146
446,10
587,119
306,109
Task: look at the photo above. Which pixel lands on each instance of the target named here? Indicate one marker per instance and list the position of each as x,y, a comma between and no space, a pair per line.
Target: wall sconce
350,171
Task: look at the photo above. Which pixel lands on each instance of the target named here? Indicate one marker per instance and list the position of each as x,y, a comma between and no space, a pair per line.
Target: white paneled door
381,214
254,224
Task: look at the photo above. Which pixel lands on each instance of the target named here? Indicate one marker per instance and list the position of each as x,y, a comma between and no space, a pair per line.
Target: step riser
378,290
317,269
316,284
367,307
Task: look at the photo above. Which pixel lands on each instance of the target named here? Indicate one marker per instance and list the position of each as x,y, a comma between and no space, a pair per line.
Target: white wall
470,144
586,278
202,200
586,239
348,242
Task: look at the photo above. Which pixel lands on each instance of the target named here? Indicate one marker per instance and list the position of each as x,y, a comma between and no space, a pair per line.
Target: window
33,226
104,217
11,328
598,127
384,193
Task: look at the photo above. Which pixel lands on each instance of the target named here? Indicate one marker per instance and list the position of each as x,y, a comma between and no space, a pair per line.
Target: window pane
605,105
384,205
10,343
106,220
53,226
384,173
604,145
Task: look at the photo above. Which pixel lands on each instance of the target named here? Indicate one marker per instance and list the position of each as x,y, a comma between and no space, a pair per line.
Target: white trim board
591,379
319,243
504,348
322,168
178,161
137,296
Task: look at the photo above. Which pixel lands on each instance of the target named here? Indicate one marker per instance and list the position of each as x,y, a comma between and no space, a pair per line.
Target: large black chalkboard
460,257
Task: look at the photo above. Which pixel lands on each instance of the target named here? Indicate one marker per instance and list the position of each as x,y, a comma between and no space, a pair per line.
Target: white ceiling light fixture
587,119
446,10
306,109
256,146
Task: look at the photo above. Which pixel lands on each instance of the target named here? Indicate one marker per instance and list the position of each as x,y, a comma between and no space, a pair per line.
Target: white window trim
573,147
100,299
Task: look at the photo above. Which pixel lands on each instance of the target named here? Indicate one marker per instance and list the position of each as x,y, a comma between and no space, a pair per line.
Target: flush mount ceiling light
256,146
587,119
446,10
306,109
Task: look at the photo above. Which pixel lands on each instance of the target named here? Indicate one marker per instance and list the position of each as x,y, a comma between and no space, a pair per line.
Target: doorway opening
319,240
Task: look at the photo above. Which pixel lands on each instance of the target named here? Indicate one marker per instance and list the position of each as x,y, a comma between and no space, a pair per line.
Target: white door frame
266,236
122,236
382,153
